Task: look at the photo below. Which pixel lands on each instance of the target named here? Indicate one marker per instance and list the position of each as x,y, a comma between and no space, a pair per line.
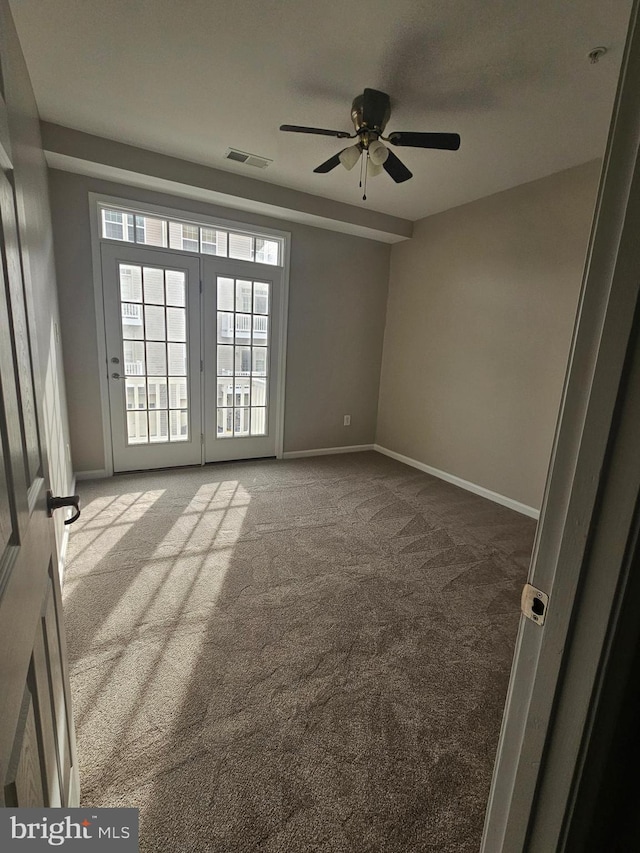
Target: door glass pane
153,286
225,361
155,353
260,297
259,361
137,432
175,283
241,422
260,330
154,323
243,295
243,361
178,426
177,393
225,327
177,359
136,393
225,294
133,358
132,323
225,423
241,392
259,392
156,359
157,393
258,421
130,283
224,391
243,328
158,425
176,324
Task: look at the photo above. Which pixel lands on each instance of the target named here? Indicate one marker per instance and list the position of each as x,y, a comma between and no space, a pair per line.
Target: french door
152,323
193,370
241,331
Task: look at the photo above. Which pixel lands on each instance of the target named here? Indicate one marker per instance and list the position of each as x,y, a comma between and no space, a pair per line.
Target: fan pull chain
361,164
366,170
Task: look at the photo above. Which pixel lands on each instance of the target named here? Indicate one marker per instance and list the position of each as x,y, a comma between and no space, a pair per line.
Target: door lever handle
54,503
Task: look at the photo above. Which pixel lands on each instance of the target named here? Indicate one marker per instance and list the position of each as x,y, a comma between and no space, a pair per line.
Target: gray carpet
296,656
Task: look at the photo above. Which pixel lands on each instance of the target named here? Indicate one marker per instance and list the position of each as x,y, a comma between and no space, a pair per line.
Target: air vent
249,159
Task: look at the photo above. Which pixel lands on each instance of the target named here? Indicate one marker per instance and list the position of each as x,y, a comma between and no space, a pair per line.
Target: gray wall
481,308
337,304
34,222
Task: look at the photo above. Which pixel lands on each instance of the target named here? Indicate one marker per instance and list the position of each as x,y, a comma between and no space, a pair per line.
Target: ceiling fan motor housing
370,113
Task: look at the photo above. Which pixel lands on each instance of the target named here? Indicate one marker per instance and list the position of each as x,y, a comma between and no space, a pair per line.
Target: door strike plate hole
537,605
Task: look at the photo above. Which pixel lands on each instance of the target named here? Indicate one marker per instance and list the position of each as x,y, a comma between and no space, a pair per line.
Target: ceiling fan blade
396,168
329,164
294,128
376,108
444,141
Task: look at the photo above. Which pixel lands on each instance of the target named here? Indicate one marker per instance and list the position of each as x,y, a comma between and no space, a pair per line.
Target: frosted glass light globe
378,153
350,156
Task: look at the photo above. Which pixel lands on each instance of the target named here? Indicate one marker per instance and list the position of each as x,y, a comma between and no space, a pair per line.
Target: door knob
54,503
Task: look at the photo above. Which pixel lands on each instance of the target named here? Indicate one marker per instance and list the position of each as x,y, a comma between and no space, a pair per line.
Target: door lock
54,503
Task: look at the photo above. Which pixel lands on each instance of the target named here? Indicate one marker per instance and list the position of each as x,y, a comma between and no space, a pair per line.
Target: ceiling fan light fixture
378,153
373,169
349,156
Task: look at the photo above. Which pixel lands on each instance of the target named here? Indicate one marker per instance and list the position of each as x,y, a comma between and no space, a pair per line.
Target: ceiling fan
370,113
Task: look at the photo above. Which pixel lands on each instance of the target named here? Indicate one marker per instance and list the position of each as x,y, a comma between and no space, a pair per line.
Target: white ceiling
192,77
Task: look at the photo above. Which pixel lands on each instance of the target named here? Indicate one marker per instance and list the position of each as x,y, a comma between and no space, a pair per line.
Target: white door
152,322
242,326
38,764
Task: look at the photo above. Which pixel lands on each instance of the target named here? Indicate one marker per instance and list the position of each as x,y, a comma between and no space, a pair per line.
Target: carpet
292,656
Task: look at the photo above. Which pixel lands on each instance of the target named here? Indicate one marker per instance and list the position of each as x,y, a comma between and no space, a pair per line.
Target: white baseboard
98,474
463,484
326,451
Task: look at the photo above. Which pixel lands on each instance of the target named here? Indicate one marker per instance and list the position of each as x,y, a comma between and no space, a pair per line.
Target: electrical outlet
347,420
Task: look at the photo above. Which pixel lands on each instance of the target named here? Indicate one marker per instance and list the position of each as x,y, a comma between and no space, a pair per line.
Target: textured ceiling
192,78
